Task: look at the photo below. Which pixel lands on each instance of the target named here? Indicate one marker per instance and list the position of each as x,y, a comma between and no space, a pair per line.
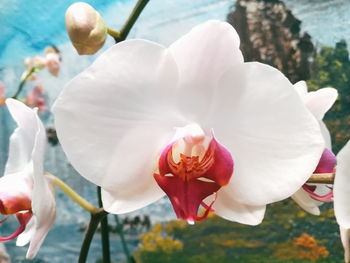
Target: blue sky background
28,26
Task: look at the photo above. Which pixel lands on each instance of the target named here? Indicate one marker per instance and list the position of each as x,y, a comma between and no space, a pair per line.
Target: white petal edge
344,237
25,237
301,88
227,208
306,202
22,139
43,199
274,140
341,188
326,135
320,101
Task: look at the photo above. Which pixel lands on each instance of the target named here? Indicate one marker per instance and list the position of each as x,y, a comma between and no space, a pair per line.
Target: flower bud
85,28
53,59
2,94
37,62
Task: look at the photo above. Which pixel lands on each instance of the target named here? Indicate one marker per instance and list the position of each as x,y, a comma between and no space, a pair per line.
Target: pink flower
36,98
53,63
51,60
2,94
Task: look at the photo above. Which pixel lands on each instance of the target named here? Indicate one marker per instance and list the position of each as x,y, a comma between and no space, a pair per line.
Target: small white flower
24,190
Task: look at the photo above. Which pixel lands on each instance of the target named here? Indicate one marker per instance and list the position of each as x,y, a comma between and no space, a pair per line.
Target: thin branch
113,33
94,221
104,232
134,15
23,81
72,194
324,178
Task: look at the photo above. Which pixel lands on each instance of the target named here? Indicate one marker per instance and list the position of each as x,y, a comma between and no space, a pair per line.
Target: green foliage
332,69
221,241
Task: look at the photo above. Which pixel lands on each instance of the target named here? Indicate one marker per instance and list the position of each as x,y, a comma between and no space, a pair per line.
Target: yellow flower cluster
302,247
310,249
156,240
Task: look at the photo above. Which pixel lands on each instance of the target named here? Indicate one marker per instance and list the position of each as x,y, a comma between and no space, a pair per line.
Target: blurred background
305,39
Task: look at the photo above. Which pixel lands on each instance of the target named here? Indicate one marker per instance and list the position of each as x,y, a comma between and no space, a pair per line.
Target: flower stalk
104,232
113,33
73,195
135,13
94,222
322,178
26,76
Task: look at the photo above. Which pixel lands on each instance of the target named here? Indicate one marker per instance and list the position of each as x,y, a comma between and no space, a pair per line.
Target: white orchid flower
311,196
24,191
140,123
342,197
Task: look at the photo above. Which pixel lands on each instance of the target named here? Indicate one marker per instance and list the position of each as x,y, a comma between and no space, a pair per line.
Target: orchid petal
44,209
133,186
304,200
344,236
15,192
320,101
229,209
326,135
202,55
22,139
23,219
271,135
301,88
114,118
25,237
327,162
341,187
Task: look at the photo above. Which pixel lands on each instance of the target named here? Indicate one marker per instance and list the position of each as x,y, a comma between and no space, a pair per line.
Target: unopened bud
2,96
53,63
85,28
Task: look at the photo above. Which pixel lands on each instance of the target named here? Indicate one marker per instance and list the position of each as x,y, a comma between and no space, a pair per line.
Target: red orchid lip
23,219
11,204
325,165
327,162
18,205
326,198
189,181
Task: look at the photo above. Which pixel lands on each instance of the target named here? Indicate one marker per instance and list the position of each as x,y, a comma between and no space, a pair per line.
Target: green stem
72,194
23,81
120,231
106,256
113,33
94,221
135,13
